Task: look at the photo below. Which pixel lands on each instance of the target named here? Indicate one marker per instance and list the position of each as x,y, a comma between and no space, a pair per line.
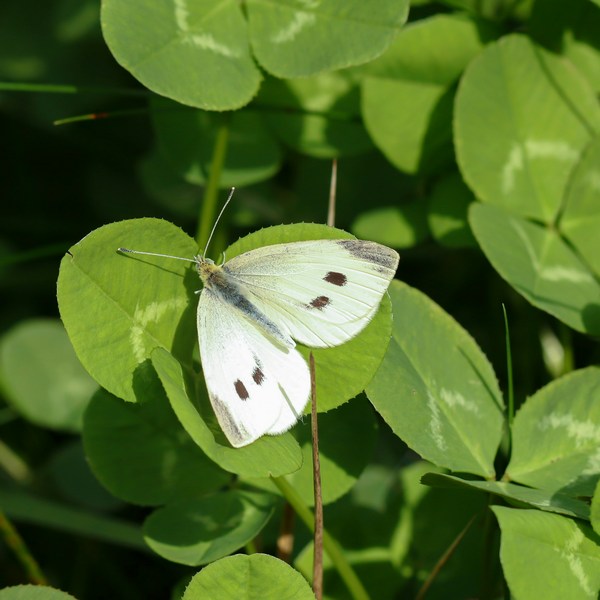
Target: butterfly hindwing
256,385
320,293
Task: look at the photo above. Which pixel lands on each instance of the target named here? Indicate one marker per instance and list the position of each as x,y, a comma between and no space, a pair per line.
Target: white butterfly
255,307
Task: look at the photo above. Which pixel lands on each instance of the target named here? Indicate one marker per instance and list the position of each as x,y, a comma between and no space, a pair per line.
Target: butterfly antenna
217,221
128,251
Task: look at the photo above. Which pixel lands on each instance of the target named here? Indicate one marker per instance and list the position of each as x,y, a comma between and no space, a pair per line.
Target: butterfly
255,307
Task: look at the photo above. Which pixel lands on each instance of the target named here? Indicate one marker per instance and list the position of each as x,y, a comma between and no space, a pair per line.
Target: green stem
511,394
49,88
208,209
15,542
330,545
97,116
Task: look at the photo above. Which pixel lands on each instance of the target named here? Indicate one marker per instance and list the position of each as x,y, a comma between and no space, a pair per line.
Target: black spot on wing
335,278
241,390
258,376
320,302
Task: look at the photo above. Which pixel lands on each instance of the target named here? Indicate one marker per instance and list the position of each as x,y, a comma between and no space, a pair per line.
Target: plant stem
15,542
509,372
330,545
113,114
208,209
49,88
444,559
318,499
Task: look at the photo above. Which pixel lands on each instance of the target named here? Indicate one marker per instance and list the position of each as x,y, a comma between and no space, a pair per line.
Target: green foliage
242,577
197,532
33,592
563,555
556,444
53,397
436,389
471,148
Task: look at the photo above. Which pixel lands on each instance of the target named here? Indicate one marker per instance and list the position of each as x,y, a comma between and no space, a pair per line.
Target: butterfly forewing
320,293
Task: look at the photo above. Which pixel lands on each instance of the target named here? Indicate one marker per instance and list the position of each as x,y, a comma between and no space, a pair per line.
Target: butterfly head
209,272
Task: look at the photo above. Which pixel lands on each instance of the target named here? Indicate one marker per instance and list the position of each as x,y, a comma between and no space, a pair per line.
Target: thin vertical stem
15,542
208,210
511,394
318,535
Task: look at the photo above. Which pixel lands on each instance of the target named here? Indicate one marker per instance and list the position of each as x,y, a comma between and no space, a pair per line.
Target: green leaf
71,474
435,49
198,532
195,53
254,577
33,592
436,389
186,140
50,393
580,220
556,436
292,38
540,265
408,92
318,116
141,453
266,457
548,556
409,122
400,226
549,501
448,209
117,309
523,118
